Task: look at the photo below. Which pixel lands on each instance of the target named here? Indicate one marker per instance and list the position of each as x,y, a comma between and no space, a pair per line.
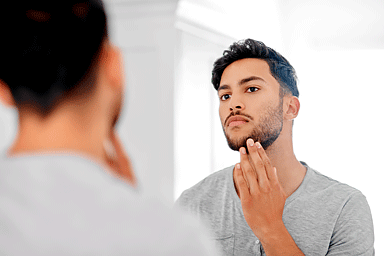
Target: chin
265,139
236,142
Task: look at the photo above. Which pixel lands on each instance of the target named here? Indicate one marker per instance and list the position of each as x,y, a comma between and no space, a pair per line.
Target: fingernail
238,166
258,144
242,151
250,142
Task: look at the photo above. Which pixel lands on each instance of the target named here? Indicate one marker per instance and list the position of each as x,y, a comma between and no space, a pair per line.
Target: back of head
48,49
280,68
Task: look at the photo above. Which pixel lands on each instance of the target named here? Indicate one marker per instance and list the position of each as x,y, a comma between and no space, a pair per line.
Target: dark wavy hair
48,49
280,68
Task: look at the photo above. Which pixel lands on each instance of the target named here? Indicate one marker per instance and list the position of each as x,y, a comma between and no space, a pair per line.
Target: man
270,203
63,187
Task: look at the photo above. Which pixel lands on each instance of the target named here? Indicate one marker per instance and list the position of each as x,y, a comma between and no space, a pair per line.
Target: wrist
274,232
276,240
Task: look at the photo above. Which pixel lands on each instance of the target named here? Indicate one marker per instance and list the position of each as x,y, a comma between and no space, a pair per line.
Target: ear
111,63
292,107
5,95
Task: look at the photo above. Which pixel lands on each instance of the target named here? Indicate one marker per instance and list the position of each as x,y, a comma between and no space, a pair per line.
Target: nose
236,104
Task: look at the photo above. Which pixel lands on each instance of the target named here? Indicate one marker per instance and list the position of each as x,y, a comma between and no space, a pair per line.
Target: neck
62,131
289,170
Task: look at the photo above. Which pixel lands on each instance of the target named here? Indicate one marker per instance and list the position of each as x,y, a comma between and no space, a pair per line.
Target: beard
266,133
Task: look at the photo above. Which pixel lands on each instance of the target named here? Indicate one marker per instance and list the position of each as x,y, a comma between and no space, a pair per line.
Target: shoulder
208,188
338,212
166,229
348,203
151,226
353,232
327,187
325,199
100,210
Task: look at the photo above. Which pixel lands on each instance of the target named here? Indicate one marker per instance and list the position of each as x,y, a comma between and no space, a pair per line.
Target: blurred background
170,124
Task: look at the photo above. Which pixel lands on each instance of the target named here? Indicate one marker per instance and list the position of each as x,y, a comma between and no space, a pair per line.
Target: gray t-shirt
323,216
69,205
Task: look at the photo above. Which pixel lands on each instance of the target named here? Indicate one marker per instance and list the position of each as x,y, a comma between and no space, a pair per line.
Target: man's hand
263,199
118,160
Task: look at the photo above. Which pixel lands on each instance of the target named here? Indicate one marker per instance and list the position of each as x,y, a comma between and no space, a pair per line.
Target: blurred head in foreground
63,75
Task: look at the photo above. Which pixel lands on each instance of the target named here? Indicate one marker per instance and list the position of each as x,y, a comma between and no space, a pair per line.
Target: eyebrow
242,81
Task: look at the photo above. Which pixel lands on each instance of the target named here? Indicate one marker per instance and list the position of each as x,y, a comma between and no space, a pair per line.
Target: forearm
279,242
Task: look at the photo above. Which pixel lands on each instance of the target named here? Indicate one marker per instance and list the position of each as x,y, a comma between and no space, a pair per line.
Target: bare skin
80,126
248,88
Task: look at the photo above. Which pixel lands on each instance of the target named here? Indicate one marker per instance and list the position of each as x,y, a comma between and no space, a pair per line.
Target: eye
252,89
225,97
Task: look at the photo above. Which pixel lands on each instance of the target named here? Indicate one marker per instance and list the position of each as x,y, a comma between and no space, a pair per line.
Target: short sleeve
188,202
353,232
180,202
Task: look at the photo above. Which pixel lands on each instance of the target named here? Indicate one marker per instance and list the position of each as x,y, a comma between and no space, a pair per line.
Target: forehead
244,68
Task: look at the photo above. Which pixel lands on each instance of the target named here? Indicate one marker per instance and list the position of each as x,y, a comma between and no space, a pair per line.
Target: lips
236,121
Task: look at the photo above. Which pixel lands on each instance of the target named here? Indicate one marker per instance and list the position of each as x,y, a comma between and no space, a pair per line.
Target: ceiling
357,24
321,24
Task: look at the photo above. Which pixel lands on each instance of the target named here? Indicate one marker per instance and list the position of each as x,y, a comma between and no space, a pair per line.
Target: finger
248,171
275,178
121,162
258,164
241,184
269,169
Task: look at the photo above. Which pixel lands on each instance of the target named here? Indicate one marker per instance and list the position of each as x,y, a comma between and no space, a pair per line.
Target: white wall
145,32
